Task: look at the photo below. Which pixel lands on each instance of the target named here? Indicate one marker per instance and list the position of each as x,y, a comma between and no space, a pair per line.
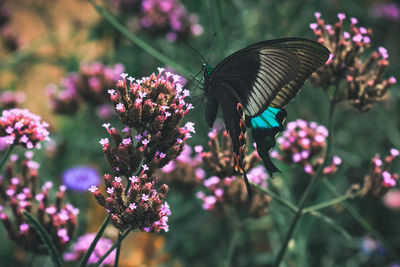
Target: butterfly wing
270,73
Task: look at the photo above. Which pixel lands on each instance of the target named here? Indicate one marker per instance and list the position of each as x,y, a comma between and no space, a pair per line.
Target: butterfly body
253,85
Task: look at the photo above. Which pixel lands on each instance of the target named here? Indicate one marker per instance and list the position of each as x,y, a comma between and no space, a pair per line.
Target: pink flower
392,199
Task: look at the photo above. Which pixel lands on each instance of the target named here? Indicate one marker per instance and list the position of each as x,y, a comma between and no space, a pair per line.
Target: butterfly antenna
197,52
212,46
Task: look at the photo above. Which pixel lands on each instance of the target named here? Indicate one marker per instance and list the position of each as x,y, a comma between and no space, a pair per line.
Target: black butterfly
253,85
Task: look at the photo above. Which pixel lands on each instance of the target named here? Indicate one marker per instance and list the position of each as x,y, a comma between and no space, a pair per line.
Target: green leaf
45,237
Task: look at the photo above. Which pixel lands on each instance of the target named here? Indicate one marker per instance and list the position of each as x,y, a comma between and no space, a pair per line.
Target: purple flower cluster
80,178
224,187
19,192
10,99
167,18
89,85
153,107
363,75
390,11
304,143
19,126
379,179
80,247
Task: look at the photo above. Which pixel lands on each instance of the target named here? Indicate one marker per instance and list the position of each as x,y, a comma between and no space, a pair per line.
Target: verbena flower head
184,172
224,187
364,76
304,143
21,127
152,110
10,99
167,18
80,178
20,192
380,179
90,85
82,244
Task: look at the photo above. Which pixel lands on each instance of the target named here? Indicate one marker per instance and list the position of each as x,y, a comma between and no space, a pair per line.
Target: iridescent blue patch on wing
267,119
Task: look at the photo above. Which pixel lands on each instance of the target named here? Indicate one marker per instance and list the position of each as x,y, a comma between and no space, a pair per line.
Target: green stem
361,221
310,188
89,252
275,196
329,203
97,264
118,252
3,161
138,41
233,242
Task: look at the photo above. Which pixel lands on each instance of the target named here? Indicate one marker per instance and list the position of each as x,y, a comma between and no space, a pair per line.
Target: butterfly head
207,69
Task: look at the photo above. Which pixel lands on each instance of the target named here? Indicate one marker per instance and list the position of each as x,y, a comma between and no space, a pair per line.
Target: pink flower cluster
184,172
162,17
19,192
80,247
139,207
379,179
304,143
365,83
89,85
10,99
390,11
19,126
153,107
218,186
381,168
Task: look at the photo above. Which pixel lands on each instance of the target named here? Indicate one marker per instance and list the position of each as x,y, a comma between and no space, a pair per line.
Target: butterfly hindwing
264,128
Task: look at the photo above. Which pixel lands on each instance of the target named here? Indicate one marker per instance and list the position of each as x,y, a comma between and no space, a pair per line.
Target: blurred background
45,46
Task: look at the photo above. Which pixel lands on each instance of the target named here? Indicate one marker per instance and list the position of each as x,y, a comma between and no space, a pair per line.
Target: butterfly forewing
255,74
269,73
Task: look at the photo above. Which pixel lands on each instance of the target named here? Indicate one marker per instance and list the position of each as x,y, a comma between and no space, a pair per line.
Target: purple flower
80,178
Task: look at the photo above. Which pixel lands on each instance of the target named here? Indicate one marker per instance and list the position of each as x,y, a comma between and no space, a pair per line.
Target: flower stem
110,250
310,187
3,161
85,259
275,196
119,241
233,242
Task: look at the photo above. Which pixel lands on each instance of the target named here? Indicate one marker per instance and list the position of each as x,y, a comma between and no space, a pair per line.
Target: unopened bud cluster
304,143
379,179
19,192
152,110
227,188
89,85
364,75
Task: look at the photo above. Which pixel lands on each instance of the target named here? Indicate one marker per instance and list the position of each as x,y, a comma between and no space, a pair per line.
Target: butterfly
253,85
